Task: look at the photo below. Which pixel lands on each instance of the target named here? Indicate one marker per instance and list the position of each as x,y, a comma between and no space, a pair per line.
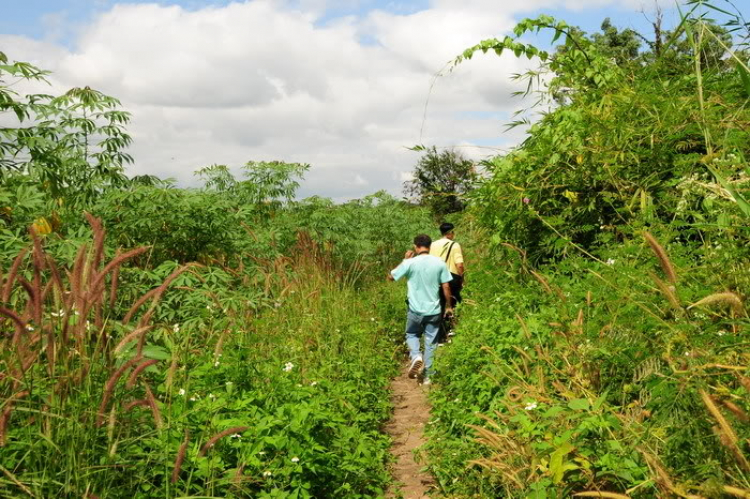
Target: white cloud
266,80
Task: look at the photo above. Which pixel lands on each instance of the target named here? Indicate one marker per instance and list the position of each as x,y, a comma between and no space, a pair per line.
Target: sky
343,85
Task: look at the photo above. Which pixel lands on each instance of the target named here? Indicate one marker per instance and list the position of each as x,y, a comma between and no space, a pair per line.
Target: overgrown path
410,415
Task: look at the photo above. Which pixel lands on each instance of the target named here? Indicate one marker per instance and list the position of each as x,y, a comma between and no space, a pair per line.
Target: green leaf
745,78
557,466
579,404
743,204
156,352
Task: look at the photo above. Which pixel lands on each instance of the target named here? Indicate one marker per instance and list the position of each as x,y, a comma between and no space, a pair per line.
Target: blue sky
33,18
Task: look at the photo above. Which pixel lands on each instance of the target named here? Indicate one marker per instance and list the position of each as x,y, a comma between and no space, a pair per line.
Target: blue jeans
416,325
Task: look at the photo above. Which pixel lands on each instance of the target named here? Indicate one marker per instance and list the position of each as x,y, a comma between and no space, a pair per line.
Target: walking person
450,252
426,275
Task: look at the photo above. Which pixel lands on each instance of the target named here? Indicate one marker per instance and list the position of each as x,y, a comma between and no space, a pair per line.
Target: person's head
422,241
446,229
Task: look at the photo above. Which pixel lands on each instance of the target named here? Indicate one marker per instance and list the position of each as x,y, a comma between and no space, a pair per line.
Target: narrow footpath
410,415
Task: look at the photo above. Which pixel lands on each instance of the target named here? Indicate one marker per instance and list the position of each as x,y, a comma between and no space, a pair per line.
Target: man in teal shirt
425,276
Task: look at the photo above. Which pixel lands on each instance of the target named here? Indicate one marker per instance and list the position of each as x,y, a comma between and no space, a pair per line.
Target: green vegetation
233,341
186,342
604,349
442,180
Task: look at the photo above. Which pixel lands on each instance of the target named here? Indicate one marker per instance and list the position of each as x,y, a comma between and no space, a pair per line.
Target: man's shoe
426,381
415,369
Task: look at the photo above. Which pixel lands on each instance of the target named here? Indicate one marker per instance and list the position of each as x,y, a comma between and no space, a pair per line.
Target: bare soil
411,414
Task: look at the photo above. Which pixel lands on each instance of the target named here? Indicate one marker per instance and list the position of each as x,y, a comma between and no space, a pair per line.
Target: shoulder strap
450,247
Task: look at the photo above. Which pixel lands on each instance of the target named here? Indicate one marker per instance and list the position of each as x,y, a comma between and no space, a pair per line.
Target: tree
72,145
267,184
441,180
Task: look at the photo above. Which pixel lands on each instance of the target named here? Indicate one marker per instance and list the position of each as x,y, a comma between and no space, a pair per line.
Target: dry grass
726,298
664,261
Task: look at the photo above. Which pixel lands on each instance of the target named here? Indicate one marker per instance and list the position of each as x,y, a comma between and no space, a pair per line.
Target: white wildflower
217,363
295,459
182,392
176,328
372,319
58,314
193,399
721,333
288,367
262,453
29,327
211,396
236,435
611,261
313,383
531,406
267,473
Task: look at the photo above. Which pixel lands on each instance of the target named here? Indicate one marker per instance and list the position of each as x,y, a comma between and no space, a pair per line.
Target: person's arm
402,269
459,261
448,298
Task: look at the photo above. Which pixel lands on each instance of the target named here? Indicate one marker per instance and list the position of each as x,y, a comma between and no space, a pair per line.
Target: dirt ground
410,415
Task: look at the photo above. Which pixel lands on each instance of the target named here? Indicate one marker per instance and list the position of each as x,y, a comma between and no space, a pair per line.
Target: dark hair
446,228
422,241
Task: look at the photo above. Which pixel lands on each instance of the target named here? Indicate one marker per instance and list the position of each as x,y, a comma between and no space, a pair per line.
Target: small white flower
193,399
531,406
229,383
176,328
262,453
288,367
267,473
611,261
58,314
216,364
208,307
211,396
29,327
372,319
181,392
295,459
313,383
88,326
236,435
721,333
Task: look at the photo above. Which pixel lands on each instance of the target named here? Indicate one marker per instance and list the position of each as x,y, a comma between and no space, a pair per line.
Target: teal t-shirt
424,275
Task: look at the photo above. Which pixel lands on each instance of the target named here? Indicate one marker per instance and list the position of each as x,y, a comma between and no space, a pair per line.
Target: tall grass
98,398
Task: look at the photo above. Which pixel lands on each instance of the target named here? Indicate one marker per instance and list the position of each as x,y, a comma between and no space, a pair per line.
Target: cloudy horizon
338,84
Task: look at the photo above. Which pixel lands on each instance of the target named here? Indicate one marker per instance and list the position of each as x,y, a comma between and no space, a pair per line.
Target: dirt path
410,415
